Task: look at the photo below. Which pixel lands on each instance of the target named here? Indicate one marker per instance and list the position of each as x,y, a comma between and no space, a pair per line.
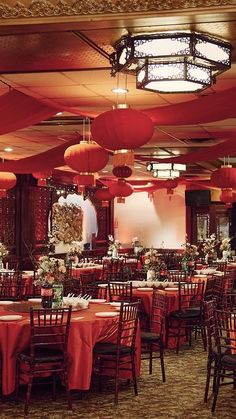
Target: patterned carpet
181,397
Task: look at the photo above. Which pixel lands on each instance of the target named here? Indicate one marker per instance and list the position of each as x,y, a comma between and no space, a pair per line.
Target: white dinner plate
107,314
116,304
35,300
145,289
3,303
11,317
97,300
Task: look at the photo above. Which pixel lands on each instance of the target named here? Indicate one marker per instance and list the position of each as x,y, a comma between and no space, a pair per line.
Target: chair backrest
10,285
221,266
176,276
210,322
49,327
127,327
113,265
87,278
218,291
120,291
230,301
225,331
90,289
208,294
158,312
190,295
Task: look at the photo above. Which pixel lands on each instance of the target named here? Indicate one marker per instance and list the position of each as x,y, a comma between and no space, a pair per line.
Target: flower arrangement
225,244
76,248
151,260
113,244
190,251
209,244
50,270
3,250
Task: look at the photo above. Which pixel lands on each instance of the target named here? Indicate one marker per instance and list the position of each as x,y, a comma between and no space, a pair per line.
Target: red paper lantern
104,195
7,181
224,177
86,157
122,128
228,197
121,189
122,171
42,177
170,185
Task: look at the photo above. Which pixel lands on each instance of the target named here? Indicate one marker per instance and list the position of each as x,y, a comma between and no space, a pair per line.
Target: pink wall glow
162,220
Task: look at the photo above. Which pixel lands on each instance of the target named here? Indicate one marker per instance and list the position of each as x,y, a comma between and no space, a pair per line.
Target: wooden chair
152,340
10,285
225,371
189,316
177,276
47,352
119,356
120,292
212,358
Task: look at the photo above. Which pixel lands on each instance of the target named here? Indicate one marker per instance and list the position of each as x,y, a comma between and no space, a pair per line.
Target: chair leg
28,394
208,378
162,365
17,381
54,387
150,360
216,389
68,394
134,375
116,382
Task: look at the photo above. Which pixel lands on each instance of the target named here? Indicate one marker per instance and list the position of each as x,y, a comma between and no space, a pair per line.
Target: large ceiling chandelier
172,62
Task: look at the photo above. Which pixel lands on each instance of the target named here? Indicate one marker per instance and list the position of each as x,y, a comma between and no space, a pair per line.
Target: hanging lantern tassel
123,158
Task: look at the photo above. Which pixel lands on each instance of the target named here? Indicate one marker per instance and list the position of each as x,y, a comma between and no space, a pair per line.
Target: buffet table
86,329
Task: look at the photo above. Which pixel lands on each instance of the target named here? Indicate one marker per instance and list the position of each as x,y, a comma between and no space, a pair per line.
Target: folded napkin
76,302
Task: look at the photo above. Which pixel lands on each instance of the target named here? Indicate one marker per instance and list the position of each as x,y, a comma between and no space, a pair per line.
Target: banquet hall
117,198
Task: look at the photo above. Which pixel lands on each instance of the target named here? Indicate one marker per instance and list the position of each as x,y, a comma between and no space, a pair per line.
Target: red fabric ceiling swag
18,111
47,160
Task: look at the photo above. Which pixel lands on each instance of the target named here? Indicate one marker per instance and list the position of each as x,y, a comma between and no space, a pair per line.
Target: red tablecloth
84,333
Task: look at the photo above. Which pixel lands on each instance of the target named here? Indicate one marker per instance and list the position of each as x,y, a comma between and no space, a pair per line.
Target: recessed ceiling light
119,90
137,167
8,149
105,171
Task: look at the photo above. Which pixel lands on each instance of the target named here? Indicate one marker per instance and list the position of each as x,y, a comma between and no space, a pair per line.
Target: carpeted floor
181,397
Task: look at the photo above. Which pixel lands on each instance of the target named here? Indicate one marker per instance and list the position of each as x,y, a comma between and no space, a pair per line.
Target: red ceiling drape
18,111
47,160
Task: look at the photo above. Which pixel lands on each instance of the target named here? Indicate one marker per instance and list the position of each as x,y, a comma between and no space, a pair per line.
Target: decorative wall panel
7,219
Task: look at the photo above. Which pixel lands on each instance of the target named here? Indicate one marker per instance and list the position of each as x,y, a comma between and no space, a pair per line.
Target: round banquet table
77,271
85,330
